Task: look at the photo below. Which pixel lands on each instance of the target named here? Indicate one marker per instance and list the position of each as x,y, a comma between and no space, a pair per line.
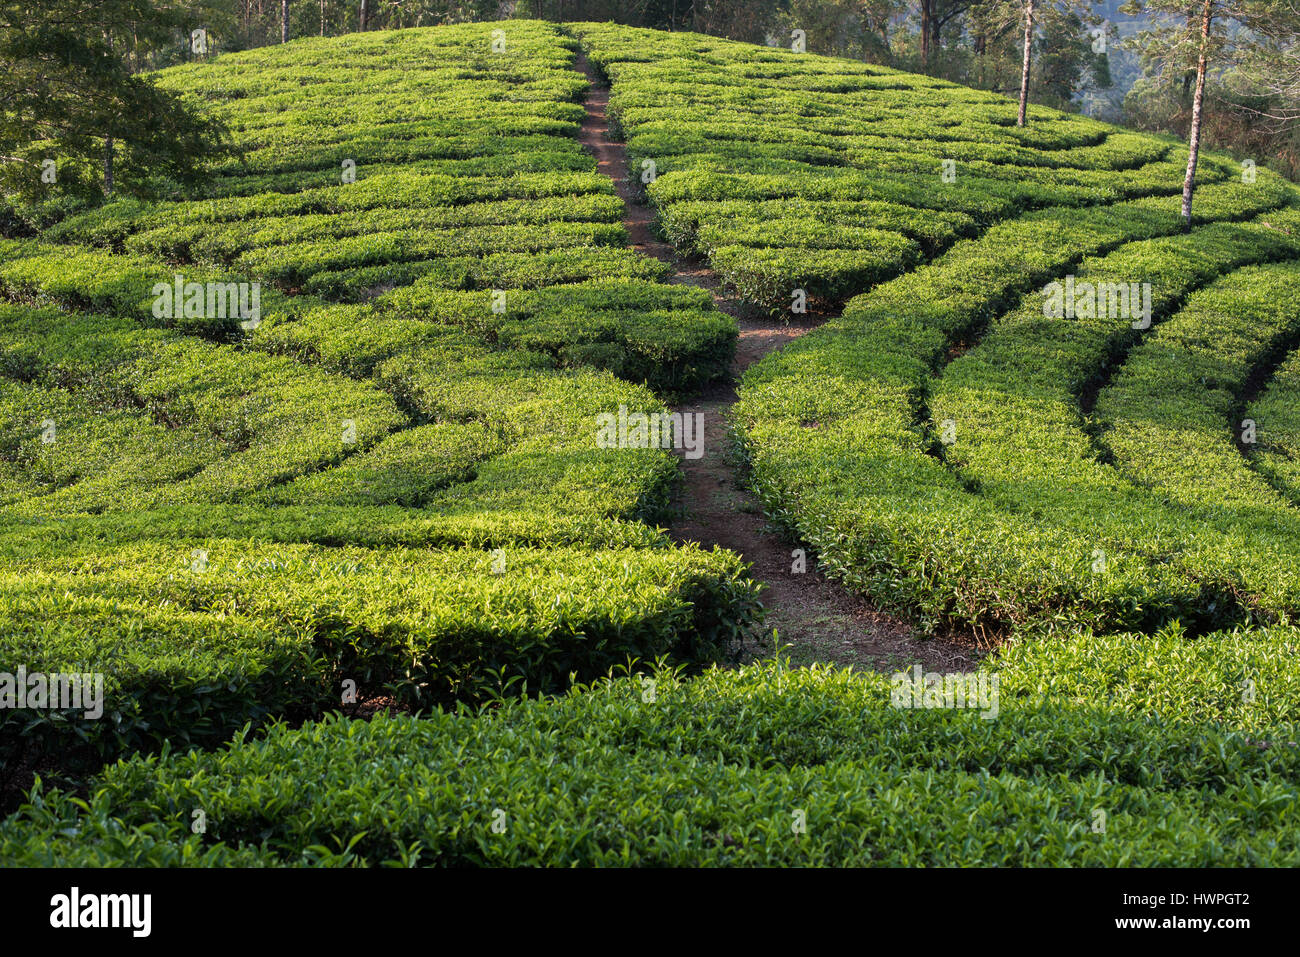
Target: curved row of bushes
765,766
733,133
230,519
480,544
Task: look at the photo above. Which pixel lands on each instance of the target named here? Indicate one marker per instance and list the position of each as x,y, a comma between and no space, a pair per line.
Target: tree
1189,42
1271,68
848,28
935,15
284,21
749,20
1256,103
1024,70
991,26
109,145
1044,47
1198,103
71,109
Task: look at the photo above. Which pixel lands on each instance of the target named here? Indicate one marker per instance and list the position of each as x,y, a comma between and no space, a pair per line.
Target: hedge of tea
764,766
789,171
392,481
391,477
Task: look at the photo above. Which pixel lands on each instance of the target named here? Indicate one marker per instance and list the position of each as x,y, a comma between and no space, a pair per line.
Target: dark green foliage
713,771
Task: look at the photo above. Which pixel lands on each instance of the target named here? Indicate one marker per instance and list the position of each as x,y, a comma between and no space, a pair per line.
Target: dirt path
819,619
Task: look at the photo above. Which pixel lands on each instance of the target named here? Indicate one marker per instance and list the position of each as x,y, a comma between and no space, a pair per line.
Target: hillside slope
384,475
391,479
935,440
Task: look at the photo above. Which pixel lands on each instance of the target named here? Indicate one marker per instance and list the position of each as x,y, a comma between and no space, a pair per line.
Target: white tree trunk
1198,102
1024,69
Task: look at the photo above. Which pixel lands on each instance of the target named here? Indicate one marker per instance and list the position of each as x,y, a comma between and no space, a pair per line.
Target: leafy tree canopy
72,109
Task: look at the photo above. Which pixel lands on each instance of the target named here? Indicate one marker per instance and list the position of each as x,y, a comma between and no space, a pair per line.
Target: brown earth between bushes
815,617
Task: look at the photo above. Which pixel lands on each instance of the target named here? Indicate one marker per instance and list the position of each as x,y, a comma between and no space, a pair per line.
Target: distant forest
1132,62
1088,57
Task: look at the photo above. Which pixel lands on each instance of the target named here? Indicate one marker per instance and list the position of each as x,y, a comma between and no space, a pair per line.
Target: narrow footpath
817,618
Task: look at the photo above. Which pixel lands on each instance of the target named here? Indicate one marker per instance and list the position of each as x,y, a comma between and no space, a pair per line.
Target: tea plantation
365,589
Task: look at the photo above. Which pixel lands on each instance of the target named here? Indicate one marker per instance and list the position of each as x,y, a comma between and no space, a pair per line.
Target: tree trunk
363,16
925,32
322,17
1194,136
1024,68
284,21
108,143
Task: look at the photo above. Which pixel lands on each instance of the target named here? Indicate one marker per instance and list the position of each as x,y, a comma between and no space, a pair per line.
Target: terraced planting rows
711,773
391,478
793,172
844,426
229,518
1269,429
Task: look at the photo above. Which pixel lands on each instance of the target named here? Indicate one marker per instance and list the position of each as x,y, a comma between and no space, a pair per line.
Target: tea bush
763,767
389,486
412,456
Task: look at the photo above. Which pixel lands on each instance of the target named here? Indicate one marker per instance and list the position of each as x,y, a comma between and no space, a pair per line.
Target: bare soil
815,619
